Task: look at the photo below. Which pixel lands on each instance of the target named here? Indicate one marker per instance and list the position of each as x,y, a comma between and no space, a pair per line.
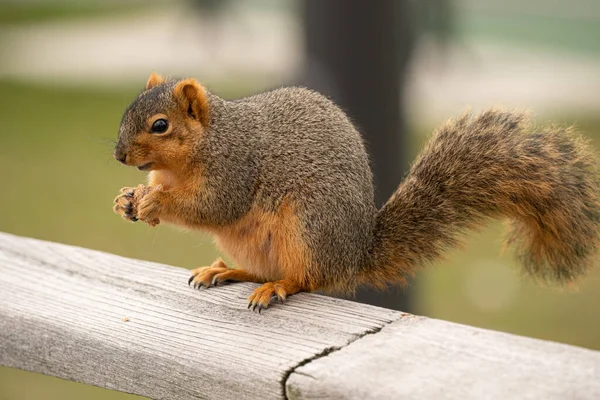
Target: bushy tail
545,180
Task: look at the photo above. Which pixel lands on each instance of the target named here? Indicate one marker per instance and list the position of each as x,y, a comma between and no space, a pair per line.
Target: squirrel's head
161,126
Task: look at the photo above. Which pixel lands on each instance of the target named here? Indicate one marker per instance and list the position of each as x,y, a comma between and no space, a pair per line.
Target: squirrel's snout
120,156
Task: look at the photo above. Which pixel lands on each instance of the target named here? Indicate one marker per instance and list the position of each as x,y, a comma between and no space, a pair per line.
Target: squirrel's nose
120,156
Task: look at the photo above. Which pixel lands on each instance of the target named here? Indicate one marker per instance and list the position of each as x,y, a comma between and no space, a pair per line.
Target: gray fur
295,142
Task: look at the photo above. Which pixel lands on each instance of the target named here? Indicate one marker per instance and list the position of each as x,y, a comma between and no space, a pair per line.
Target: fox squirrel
282,180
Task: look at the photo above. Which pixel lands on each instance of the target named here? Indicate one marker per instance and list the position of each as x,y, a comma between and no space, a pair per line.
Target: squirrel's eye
159,126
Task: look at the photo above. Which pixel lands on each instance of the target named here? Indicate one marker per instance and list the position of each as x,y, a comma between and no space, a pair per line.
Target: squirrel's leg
175,205
217,273
262,296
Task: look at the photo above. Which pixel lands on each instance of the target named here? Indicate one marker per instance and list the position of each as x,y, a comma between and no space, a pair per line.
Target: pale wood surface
420,358
137,327
62,311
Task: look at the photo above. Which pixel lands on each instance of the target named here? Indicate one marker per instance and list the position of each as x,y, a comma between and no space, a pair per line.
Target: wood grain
420,358
137,327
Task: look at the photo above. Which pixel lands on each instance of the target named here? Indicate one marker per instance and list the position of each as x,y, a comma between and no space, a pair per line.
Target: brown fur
262,296
282,181
219,272
268,244
192,99
127,203
496,164
167,179
165,150
154,80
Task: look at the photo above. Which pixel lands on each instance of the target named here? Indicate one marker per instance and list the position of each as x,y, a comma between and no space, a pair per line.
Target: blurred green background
61,108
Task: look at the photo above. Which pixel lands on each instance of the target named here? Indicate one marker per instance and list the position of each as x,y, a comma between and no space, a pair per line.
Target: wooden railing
137,327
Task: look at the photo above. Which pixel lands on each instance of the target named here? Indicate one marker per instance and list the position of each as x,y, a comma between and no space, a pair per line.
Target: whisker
103,140
156,236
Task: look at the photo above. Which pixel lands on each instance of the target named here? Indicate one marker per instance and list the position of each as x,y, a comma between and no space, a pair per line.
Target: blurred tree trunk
357,53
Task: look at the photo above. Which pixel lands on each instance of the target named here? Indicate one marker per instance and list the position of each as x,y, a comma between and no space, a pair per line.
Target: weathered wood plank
137,327
419,358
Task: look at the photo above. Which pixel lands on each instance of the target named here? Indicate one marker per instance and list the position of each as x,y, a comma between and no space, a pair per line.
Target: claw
134,219
278,298
249,305
260,309
254,308
214,281
129,194
190,280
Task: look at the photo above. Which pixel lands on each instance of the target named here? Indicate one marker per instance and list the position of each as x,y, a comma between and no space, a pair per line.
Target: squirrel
283,182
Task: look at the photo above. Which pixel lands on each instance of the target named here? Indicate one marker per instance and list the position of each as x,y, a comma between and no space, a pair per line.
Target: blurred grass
551,32
23,385
14,13
59,180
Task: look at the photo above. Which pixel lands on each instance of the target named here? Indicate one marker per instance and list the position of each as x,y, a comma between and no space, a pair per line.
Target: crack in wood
328,351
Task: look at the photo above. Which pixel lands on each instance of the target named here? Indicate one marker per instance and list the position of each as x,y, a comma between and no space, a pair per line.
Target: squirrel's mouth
145,167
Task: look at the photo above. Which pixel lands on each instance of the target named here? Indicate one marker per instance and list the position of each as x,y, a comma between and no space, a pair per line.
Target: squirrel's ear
191,97
154,80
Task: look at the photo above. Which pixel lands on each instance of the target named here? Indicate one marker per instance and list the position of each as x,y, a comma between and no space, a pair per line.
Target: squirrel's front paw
150,206
126,204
